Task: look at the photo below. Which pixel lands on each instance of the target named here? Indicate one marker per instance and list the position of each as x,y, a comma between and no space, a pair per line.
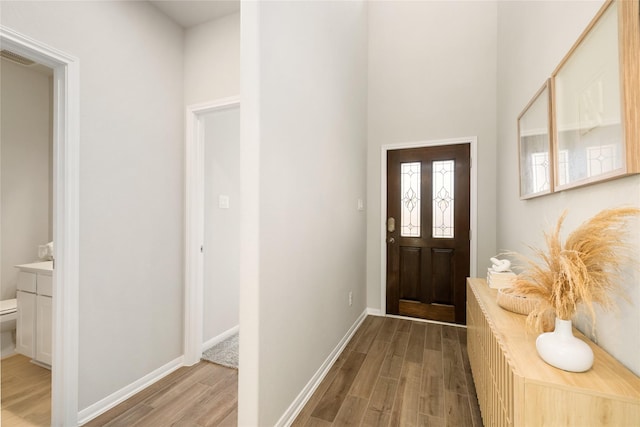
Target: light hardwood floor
26,393
397,372
204,394
393,372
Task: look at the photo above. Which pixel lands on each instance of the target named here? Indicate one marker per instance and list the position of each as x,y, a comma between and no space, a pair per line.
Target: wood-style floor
393,372
202,395
26,393
397,372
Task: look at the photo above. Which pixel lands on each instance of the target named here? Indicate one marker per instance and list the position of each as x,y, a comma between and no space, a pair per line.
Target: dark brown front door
428,232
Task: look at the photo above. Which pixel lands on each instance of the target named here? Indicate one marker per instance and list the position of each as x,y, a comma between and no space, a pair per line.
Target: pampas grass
586,269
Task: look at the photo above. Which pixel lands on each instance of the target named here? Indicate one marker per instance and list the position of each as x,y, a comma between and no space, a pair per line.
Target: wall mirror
534,141
591,95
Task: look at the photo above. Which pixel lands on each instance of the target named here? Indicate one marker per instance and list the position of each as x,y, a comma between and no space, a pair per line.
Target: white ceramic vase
562,350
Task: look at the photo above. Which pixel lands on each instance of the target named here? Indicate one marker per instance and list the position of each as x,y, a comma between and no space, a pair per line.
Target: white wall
26,168
533,37
212,60
432,68
312,145
221,242
131,182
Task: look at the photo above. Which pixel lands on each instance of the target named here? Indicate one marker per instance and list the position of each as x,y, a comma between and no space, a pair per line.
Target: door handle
392,240
391,224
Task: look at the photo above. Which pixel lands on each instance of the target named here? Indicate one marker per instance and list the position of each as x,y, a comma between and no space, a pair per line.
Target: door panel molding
473,200
423,312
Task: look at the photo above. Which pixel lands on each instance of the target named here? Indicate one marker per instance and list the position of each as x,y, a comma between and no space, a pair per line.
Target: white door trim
194,224
66,142
473,244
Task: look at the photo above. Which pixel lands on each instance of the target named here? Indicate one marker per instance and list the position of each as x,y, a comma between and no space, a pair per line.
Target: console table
516,387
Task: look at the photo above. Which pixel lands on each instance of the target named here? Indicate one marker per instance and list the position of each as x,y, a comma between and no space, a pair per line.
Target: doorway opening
428,239
212,252
26,237
64,304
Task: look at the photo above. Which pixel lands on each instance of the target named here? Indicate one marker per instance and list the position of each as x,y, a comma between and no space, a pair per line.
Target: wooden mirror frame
628,160
539,109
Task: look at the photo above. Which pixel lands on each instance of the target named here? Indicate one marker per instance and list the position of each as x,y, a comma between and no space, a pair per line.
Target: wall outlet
350,298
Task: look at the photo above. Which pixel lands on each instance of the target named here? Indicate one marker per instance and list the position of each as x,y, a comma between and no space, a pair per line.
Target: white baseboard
219,338
124,393
296,406
374,311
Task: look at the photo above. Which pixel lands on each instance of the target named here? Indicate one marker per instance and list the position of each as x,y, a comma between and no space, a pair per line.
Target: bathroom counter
45,267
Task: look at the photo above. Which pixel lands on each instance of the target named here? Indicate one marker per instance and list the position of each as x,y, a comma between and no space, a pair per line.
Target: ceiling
188,13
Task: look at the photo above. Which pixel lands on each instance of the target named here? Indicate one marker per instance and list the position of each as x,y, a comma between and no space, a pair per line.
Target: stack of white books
500,279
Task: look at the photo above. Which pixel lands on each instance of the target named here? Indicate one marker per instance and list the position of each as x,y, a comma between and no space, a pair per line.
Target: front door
428,232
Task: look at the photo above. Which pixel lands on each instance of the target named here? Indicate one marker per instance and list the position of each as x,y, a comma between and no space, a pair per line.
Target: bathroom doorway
63,279
26,212
213,220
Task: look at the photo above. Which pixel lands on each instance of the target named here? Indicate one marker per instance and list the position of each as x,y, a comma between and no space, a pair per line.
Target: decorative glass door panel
443,198
410,209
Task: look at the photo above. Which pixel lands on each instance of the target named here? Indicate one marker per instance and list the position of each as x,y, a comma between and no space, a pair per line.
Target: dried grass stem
586,269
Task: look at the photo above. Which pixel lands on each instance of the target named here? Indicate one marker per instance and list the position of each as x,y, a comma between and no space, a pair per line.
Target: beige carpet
224,353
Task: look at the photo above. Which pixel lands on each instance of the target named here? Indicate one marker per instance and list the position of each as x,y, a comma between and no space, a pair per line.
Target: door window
443,198
410,202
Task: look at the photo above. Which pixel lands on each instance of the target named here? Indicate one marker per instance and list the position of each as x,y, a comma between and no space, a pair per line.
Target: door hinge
469,235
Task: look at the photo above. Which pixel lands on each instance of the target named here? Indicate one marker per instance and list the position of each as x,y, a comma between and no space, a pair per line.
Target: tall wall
131,182
212,60
432,67
533,37
26,168
312,148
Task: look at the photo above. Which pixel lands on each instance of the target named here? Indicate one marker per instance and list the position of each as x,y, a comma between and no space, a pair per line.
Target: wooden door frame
473,203
66,166
194,224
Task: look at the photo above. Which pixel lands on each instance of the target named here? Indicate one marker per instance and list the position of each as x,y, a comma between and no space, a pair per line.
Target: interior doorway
65,183
424,260
212,215
26,238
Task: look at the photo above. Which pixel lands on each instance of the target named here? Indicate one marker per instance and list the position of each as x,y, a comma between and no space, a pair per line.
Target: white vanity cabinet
34,319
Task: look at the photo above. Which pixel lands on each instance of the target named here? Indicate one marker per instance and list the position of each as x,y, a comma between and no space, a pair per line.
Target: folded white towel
500,264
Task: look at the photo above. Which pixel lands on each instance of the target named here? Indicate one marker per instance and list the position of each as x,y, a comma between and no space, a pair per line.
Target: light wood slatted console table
517,388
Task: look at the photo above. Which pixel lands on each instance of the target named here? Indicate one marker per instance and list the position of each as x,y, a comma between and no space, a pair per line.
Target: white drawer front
26,281
45,285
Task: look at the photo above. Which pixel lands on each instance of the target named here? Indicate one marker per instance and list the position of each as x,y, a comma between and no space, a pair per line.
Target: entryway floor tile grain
396,372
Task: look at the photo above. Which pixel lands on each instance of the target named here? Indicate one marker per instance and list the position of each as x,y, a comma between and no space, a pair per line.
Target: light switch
360,205
223,202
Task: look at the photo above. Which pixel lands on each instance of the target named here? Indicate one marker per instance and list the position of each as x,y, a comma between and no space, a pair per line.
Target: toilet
8,315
